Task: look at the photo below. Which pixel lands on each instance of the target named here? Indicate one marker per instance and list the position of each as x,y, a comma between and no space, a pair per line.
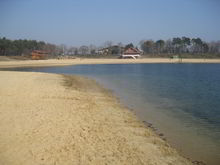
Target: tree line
181,46
184,46
25,47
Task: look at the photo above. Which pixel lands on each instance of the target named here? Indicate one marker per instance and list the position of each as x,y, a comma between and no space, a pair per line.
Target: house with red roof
38,55
131,53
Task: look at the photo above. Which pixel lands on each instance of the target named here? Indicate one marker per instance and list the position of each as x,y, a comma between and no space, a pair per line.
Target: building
104,51
131,53
111,50
39,55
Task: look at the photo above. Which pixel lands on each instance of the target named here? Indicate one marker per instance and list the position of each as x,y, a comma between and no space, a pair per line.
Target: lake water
180,100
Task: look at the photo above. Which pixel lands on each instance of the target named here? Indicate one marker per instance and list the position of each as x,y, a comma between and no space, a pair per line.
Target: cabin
131,53
39,55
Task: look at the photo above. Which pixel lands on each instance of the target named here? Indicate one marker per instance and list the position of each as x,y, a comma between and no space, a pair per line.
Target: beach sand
55,119
78,61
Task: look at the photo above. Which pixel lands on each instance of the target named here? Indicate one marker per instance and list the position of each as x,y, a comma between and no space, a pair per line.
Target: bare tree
108,44
120,44
84,50
169,46
72,50
63,48
148,46
214,47
92,49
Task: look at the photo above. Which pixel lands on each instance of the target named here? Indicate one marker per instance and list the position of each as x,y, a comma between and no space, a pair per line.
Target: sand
55,119
78,61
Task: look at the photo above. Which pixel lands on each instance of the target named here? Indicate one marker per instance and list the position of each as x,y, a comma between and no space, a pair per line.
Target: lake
181,100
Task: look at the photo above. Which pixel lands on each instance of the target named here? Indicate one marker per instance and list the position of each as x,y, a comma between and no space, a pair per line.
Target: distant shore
57,119
78,61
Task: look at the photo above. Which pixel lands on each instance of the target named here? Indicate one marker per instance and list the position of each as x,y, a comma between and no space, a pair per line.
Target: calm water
181,100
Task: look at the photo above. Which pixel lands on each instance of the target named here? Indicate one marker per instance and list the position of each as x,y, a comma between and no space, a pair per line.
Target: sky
85,22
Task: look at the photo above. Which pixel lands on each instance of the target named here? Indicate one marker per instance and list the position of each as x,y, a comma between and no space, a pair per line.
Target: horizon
76,23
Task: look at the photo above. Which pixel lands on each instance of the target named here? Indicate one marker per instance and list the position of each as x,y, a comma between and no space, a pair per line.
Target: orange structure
38,55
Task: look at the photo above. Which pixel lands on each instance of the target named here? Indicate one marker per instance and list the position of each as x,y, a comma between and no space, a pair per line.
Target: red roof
132,51
39,52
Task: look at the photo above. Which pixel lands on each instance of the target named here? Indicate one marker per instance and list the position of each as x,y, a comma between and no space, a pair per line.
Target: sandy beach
57,119
78,61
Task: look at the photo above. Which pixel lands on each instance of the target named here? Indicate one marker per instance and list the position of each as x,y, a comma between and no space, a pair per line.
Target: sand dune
56,119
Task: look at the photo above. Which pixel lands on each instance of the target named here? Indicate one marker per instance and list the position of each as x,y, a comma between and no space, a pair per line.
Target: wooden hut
39,55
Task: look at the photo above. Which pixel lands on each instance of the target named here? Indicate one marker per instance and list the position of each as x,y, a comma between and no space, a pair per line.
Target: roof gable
132,51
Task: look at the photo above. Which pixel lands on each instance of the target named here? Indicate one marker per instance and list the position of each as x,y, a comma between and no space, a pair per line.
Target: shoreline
62,119
66,62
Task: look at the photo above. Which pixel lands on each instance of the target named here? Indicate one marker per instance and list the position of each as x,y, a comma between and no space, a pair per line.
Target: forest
182,46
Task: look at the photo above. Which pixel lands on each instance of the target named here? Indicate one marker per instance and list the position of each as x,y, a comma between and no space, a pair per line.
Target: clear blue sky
78,22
